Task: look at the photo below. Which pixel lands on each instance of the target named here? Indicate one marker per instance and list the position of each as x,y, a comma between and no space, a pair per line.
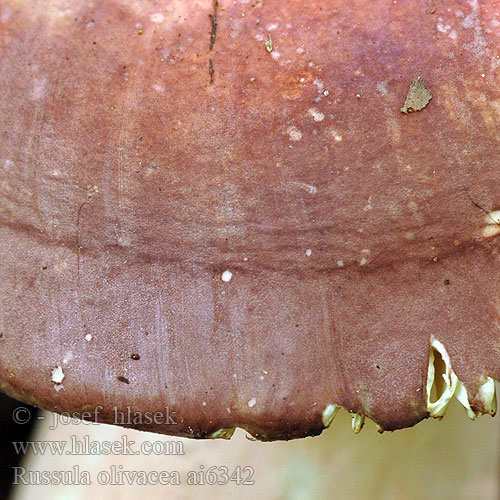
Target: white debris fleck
442,28
157,17
275,55
39,88
493,227
55,173
294,133
493,217
158,88
226,276
204,403
319,83
308,252
251,402
300,50
369,204
68,357
340,263
364,260
88,337
382,88
58,387
336,136
228,410
317,116
245,259
271,27
57,375
490,231
308,188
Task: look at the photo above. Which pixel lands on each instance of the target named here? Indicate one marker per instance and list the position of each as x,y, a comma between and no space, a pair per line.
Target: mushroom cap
220,211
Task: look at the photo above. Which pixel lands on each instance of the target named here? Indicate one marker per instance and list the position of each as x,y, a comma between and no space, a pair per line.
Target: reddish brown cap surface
241,235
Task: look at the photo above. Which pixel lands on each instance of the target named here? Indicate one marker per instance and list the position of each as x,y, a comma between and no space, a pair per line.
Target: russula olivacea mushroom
252,214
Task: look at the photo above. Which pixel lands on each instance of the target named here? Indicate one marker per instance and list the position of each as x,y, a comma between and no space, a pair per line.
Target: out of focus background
449,459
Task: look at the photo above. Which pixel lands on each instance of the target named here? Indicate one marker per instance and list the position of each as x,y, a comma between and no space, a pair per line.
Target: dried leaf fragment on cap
418,96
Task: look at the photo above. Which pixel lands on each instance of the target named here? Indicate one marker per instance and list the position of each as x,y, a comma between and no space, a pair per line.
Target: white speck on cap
88,337
294,133
57,375
204,403
159,88
252,402
382,88
340,263
157,17
493,217
336,136
490,231
308,252
316,115
68,357
226,276
364,259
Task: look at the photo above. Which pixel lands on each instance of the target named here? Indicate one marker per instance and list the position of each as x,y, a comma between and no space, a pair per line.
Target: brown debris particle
213,22
213,33
123,379
211,70
418,96
269,43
